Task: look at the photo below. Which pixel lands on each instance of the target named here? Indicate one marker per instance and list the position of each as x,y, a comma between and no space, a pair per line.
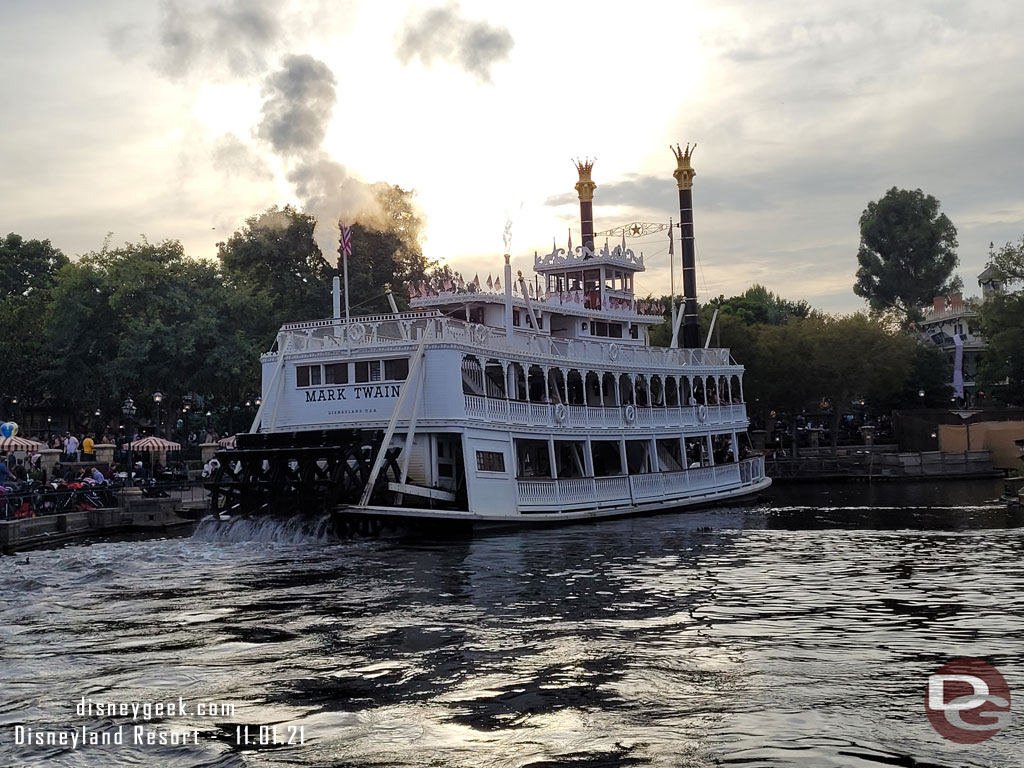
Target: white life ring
630,413
356,332
480,334
613,352
702,413
560,413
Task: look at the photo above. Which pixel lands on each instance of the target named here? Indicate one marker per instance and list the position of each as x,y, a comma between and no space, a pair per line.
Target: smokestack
585,189
684,181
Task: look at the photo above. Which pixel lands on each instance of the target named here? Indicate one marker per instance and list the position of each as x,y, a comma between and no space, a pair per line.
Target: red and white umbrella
228,442
19,444
153,443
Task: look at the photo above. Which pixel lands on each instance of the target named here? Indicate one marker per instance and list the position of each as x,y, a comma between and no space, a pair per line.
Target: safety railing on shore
38,500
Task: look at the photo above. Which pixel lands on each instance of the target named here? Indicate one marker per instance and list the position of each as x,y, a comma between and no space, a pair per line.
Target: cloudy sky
178,119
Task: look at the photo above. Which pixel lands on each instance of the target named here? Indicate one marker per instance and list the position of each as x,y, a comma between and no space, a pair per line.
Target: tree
386,249
140,318
1009,260
1002,367
907,254
277,271
28,270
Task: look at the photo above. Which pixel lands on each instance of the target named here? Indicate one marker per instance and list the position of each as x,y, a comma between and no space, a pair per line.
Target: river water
798,631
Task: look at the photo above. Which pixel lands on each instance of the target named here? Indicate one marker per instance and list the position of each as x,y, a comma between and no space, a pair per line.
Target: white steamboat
522,402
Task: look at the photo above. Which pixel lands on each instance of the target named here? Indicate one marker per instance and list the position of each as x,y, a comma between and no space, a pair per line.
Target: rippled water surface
798,631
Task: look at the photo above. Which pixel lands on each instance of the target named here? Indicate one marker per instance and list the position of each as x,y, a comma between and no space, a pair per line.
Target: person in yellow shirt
88,449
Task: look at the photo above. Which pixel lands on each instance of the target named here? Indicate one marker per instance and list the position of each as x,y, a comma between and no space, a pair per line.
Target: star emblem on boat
634,230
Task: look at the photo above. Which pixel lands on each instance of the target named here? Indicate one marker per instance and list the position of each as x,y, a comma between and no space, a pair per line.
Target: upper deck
370,334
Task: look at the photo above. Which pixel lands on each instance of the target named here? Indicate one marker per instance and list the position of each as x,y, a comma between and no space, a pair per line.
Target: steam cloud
234,38
299,100
217,36
233,156
444,33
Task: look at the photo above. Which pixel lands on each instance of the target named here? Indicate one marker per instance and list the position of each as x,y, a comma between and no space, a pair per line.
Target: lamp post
158,397
128,409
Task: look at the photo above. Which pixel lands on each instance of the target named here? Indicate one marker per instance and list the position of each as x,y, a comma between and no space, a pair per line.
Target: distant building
951,319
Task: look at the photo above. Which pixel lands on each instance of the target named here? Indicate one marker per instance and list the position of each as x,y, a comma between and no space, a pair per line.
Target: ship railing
618,490
359,334
499,410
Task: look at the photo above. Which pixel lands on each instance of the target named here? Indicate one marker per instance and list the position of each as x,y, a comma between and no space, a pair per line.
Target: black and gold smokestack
585,189
684,180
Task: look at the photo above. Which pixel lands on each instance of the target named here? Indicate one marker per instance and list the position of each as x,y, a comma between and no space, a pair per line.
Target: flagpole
672,283
344,247
344,262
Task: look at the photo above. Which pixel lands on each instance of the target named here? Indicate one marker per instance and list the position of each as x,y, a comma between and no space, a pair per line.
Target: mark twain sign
352,393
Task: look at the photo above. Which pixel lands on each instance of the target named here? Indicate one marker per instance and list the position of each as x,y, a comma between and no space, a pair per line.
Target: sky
175,119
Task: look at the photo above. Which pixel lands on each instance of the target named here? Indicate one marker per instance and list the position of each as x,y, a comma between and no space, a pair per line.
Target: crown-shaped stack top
684,172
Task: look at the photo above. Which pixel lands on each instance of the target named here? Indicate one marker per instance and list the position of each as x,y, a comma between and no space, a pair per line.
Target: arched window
472,376
494,379
671,391
516,382
556,385
736,389
625,389
608,390
535,384
593,389
657,392
643,395
574,384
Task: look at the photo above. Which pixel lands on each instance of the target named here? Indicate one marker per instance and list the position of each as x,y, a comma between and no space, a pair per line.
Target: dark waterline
796,631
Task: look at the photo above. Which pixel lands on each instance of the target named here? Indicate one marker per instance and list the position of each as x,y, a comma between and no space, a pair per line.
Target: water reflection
798,631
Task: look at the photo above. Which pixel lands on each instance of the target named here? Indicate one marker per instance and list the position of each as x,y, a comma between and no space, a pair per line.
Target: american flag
346,240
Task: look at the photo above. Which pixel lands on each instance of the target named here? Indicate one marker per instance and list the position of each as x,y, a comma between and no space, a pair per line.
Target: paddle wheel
287,474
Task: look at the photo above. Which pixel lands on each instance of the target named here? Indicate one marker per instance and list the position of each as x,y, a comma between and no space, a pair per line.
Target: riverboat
522,401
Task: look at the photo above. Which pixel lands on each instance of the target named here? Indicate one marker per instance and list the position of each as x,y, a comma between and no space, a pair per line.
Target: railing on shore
498,410
545,494
361,333
35,500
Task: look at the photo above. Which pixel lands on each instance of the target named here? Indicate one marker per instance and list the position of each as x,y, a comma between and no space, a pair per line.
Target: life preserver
356,332
630,413
560,413
702,413
613,352
480,334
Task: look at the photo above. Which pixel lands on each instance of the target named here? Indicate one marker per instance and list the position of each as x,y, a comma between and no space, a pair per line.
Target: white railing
619,490
497,410
360,334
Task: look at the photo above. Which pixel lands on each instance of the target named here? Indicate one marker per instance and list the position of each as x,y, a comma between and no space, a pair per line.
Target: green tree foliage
276,272
1009,260
138,318
907,254
28,270
1002,324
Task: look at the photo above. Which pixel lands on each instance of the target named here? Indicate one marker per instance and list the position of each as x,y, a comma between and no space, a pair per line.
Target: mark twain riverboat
512,403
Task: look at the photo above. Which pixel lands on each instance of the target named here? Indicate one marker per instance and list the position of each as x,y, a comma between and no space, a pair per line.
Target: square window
302,375
490,461
396,370
337,373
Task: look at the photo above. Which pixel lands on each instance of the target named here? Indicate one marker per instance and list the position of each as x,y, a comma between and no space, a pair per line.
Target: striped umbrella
153,443
19,444
227,442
